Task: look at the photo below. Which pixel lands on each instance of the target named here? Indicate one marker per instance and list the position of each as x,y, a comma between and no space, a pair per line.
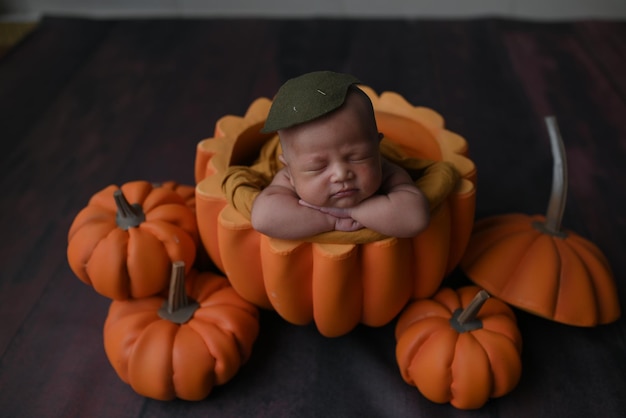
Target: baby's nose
342,172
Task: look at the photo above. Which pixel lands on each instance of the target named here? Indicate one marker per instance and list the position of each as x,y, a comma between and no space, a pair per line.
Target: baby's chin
344,203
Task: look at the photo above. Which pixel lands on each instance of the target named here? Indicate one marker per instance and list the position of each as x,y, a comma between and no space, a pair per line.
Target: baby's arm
400,210
277,213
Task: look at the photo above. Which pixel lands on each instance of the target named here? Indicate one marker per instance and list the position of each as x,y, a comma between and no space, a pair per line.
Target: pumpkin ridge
136,190
102,199
417,330
432,334
120,333
221,295
520,260
106,261
89,215
173,214
447,339
160,196
582,246
147,264
602,278
495,310
143,376
498,361
476,252
82,244
144,315
177,242
579,241
226,362
572,278
506,329
190,361
419,311
459,370
497,283
234,302
540,308
229,328
132,308
447,298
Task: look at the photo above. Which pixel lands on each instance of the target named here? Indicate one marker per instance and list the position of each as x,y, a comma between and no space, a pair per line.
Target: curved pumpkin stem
178,307
128,216
464,320
558,194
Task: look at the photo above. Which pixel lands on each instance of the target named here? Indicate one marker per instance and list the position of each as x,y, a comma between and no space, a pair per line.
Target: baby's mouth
345,193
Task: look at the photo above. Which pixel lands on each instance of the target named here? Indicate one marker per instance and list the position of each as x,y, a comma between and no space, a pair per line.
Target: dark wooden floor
87,103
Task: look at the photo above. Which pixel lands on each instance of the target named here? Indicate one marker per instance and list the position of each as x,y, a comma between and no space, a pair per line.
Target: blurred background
19,17
525,9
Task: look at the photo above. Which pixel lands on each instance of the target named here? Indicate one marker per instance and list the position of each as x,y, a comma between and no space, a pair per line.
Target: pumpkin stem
128,216
178,307
558,194
464,320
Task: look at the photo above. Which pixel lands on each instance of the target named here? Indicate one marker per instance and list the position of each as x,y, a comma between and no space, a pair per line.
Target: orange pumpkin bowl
338,283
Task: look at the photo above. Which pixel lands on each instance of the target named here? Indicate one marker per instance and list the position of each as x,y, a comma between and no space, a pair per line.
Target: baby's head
329,139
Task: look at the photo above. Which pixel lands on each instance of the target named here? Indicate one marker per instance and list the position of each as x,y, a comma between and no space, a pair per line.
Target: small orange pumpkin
123,242
460,347
182,346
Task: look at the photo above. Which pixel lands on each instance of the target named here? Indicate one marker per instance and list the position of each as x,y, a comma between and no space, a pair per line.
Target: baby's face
335,161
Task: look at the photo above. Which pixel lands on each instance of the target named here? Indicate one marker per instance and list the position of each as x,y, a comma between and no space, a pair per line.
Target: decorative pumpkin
203,262
341,281
460,347
187,192
535,265
183,345
124,241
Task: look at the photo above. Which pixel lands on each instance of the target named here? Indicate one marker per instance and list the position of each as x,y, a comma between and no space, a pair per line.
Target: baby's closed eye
314,168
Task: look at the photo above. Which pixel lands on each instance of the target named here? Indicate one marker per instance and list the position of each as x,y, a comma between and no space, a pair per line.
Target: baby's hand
336,212
347,225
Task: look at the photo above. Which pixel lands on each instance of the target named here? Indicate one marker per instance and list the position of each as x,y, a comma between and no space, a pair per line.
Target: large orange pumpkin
337,284
534,264
124,241
459,347
184,345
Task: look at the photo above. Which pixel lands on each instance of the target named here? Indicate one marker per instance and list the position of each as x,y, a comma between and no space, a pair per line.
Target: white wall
533,9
